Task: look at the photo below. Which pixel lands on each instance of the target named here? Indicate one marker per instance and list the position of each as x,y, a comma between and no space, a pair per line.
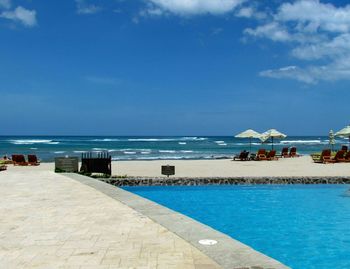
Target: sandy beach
289,167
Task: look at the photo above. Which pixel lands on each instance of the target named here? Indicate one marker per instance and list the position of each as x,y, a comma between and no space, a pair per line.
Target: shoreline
300,167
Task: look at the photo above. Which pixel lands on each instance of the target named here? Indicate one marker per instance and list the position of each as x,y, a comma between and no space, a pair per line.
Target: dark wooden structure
96,163
168,170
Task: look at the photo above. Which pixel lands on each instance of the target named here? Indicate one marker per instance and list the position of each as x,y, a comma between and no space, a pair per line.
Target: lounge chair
339,157
243,156
19,160
284,153
33,160
324,157
261,155
3,167
347,156
271,155
293,152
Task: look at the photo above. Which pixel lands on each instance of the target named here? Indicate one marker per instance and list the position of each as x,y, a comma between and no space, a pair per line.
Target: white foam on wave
219,142
32,141
34,148
99,149
186,151
151,140
79,151
182,143
167,151
106,140
300,142
129,152
59,152
145,152
222,144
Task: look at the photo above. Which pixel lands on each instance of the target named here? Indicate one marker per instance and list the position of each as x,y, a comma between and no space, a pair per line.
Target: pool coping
228,252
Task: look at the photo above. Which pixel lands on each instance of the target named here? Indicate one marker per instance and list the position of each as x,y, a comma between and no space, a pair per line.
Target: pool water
302,226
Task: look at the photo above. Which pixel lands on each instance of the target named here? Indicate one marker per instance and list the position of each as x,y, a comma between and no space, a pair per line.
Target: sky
173,67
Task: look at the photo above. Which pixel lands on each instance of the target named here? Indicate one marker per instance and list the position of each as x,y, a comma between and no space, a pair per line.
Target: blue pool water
303,226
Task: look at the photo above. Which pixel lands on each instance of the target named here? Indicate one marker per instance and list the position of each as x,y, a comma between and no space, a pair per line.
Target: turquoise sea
151,147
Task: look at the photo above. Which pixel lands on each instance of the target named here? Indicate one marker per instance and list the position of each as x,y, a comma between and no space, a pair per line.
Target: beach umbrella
345,132
272,133
331,139
249,134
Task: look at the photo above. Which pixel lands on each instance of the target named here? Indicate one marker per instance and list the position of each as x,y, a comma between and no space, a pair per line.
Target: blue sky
173,67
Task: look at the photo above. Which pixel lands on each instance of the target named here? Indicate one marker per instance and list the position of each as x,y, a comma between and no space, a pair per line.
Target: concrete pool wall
190,181
228,252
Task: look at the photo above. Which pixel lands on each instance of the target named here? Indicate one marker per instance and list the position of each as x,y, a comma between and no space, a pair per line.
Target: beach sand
290,167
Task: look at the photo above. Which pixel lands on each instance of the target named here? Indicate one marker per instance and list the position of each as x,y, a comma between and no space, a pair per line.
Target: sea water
302,226
151,148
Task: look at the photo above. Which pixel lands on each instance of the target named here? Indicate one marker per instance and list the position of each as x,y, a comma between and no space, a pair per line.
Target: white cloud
20,14
195,7
86,8
272,30
315,32
245,12
5,4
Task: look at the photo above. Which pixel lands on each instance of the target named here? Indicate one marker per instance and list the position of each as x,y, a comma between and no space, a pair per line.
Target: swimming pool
302,226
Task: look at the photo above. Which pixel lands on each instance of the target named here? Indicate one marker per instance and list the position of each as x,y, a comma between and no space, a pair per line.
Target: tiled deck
50,221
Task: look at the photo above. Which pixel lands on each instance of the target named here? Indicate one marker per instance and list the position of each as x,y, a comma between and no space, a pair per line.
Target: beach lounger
261,155
243,156
272,155
324,157
33,160
284,153
293,152
3,167
19,160
347,156
339,157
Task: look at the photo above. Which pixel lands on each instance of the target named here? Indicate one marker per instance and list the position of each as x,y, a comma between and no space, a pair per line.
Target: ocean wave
79,151
101,149
222,144
300,142
167,151
186,151
59,152
145,152
129,152
219,142
106,140
182,143
32,141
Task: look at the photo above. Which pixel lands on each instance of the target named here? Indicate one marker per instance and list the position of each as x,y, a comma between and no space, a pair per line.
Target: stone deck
50,221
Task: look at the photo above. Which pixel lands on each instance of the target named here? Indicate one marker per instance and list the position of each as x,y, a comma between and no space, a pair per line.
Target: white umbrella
345,132
331,139
272,133
249,134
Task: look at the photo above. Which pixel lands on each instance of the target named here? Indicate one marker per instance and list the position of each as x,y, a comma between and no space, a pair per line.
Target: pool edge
228,253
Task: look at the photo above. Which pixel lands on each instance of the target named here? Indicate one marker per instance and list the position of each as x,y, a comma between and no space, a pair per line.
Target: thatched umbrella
331,139
272,133
249,134
345,132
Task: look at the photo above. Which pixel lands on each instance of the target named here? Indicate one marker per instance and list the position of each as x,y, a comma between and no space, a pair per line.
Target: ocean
152,147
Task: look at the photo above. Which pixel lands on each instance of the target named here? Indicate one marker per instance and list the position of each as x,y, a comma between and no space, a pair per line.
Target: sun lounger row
263,155
326,157
292,153
20,160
